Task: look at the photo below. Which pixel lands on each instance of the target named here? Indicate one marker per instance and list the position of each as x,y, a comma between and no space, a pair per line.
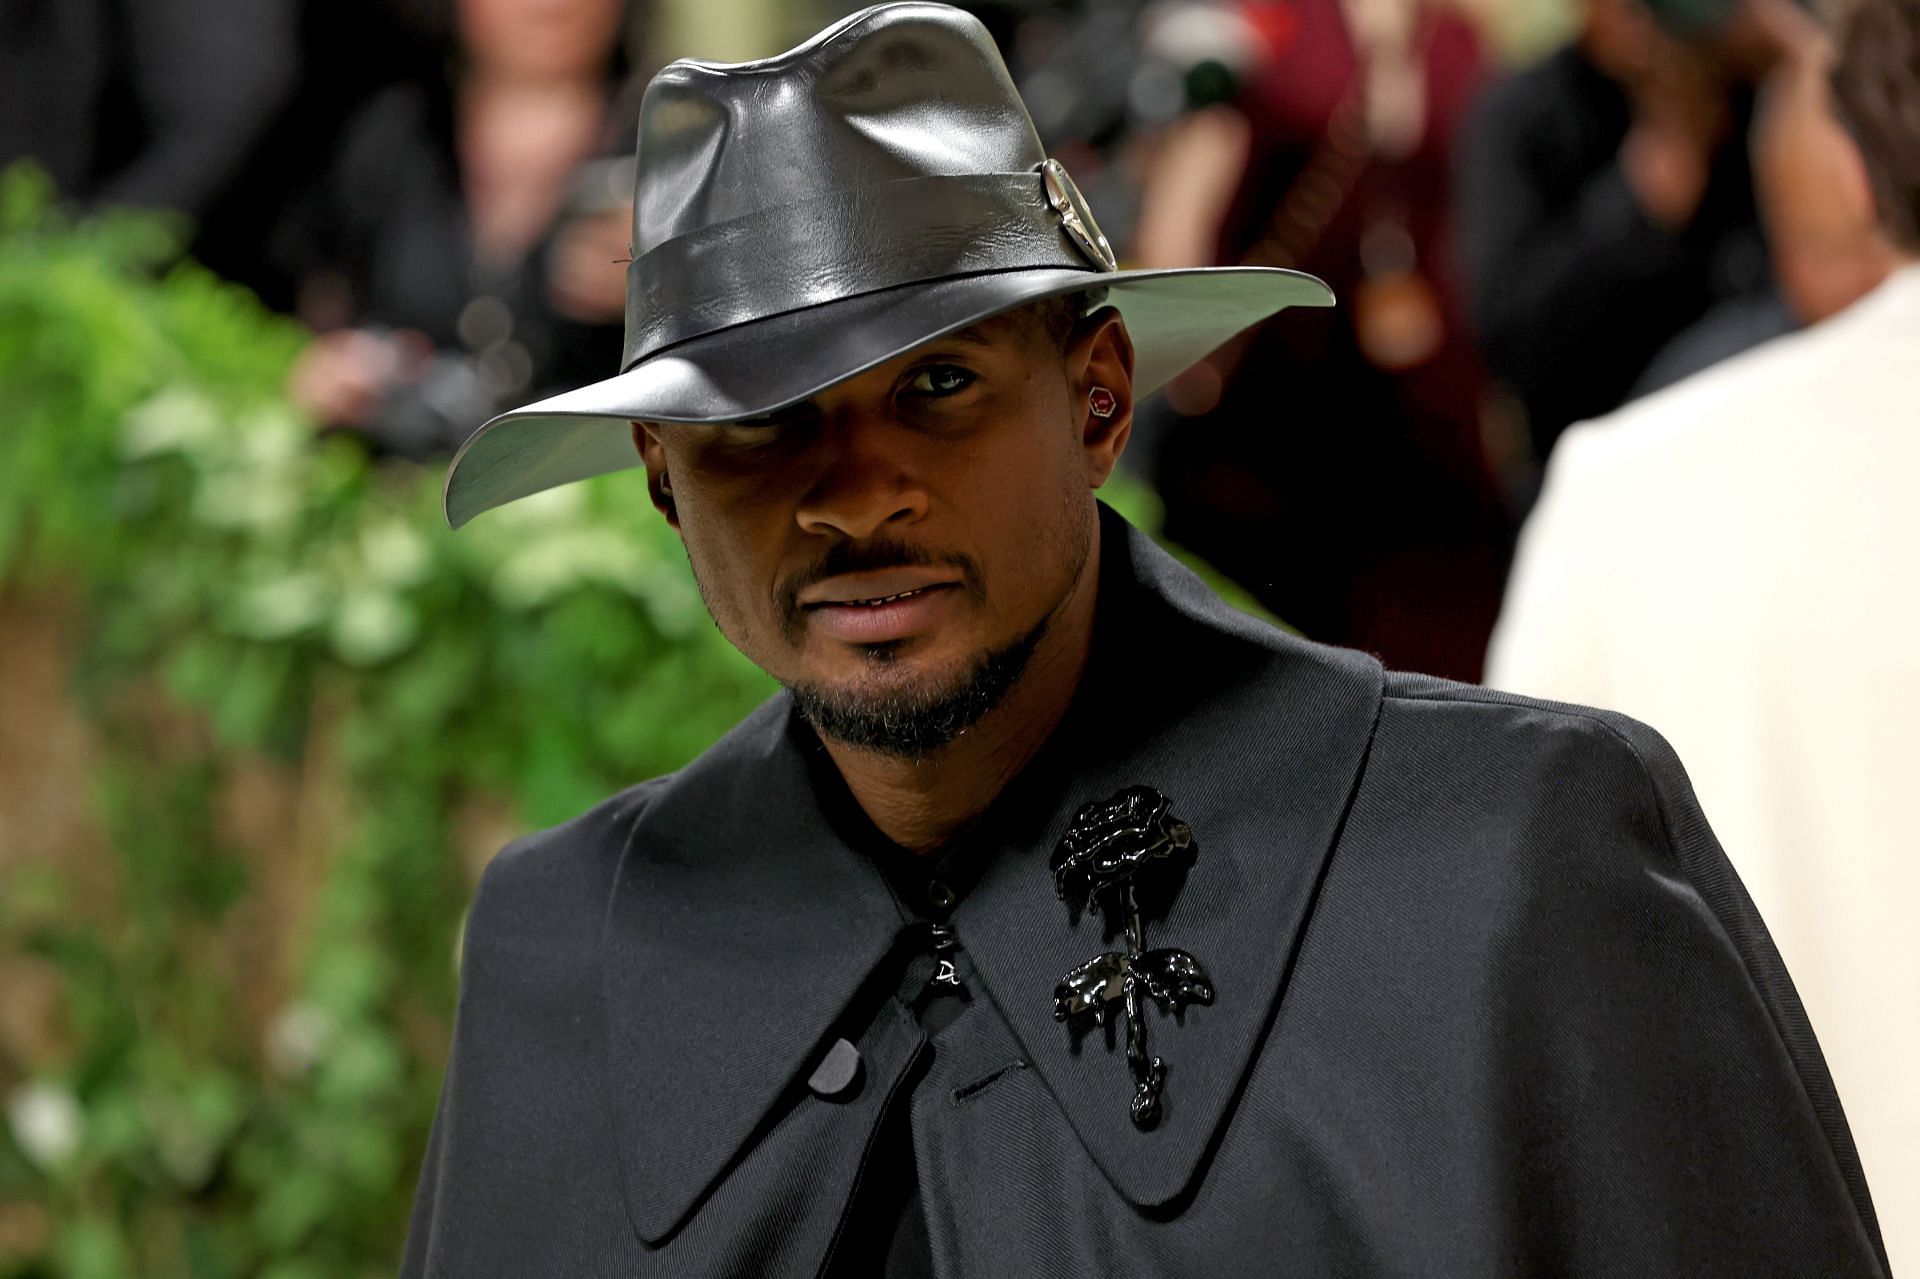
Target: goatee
912,723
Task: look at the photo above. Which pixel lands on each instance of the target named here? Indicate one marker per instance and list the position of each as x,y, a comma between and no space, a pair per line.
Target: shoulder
1528,722
1745,400
1580,823
1563,807
1568,830
550,889
1734,433
554,882
582,846
1719,439
1536,879
1526,755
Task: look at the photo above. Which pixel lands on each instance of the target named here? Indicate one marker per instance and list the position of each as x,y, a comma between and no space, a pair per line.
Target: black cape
1489,1001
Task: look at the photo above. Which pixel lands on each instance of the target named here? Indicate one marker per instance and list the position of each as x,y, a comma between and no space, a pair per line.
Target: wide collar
741,925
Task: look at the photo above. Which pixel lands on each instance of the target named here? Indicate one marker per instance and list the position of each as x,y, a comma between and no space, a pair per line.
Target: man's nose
865,484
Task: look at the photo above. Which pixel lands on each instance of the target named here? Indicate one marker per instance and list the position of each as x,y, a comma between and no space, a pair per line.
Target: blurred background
263,265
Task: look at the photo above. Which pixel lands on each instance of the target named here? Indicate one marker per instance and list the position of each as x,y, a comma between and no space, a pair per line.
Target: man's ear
653,456
1100,377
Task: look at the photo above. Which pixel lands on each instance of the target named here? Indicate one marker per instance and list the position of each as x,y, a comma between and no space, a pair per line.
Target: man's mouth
879,612
872,588
876,601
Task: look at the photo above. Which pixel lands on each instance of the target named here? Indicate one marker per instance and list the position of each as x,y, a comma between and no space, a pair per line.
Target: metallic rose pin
1111,846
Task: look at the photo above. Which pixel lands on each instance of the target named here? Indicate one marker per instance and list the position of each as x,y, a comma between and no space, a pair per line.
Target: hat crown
896,91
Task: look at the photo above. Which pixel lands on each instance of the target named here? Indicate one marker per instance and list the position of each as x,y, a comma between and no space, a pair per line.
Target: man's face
901,537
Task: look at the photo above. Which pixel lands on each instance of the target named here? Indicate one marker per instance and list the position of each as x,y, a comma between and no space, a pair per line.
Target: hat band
840,246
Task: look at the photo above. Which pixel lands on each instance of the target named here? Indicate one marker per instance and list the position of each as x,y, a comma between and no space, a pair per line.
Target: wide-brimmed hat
800,219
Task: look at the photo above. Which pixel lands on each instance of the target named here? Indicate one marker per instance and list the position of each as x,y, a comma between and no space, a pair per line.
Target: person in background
156,103
1732,560
470,248
1828,246
1823,239
1604,198
1336,471
259,233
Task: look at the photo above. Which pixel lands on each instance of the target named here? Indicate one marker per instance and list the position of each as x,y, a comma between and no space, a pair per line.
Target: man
1823,240
1733,559
1057,919
1605,202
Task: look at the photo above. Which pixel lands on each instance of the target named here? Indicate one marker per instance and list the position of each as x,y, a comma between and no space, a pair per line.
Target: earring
1102,402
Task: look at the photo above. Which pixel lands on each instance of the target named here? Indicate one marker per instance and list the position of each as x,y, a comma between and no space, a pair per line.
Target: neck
922,804
488,85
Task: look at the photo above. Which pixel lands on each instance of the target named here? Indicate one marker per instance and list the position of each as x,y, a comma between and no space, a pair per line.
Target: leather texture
801,218
890,148
838,245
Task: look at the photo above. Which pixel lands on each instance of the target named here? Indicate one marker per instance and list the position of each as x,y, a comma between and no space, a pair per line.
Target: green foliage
299,604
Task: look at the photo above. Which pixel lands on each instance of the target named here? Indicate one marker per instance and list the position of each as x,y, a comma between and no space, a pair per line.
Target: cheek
1033,446
734,552
1032,499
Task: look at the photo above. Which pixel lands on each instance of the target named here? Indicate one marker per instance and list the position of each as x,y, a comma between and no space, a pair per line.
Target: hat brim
1174,318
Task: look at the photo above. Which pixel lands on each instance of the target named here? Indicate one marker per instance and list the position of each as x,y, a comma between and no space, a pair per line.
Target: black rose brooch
1109,854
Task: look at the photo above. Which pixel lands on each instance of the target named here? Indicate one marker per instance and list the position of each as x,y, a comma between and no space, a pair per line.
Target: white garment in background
1736,561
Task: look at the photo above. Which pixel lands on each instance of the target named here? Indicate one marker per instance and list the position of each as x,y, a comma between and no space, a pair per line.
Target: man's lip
889,619
873,586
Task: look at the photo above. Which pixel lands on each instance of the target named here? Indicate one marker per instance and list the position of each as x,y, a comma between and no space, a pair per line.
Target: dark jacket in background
227,112
1573,289
1489,1001
159,103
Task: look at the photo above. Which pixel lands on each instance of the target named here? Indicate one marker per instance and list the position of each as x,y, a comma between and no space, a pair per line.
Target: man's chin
900,699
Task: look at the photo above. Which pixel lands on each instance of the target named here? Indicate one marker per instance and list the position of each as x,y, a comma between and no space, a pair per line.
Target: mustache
860,557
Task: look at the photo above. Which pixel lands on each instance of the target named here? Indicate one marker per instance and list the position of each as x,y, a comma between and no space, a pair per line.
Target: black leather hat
800,219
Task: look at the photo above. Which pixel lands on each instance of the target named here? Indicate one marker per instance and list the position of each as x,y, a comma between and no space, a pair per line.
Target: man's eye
939,379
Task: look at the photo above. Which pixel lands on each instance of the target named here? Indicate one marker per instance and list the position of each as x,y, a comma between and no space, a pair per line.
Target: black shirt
885,1232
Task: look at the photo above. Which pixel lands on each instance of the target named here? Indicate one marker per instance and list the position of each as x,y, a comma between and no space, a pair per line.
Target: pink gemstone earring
1102,402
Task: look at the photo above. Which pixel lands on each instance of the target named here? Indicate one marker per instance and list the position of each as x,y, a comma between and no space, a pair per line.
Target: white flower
395,554
175,420
372,626
46,1122
287,605
297,1038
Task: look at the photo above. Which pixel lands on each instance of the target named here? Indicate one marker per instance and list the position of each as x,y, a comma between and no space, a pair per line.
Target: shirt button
940,895
837,1072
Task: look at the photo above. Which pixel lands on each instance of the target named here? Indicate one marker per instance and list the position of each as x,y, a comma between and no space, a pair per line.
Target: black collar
742,923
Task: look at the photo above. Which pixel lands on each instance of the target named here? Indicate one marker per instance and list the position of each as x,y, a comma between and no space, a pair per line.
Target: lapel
740,929
1257,739
742,925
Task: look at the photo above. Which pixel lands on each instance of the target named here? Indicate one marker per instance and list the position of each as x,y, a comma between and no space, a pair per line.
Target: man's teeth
887,599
